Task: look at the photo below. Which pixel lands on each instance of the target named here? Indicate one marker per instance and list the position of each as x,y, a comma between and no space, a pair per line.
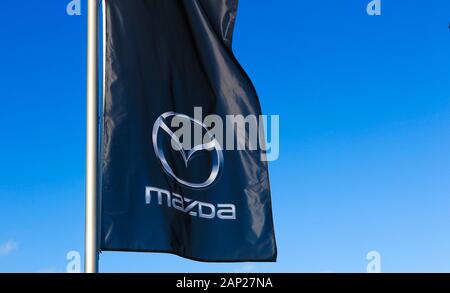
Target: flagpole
91,233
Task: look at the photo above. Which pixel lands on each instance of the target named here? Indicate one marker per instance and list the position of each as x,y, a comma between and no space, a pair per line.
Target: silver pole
91,236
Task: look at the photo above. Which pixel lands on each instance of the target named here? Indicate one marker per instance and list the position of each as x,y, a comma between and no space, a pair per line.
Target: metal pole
91,236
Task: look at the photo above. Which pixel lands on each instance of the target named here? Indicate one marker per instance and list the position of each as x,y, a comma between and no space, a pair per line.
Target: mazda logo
213,146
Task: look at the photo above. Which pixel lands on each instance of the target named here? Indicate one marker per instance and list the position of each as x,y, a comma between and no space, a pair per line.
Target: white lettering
191,207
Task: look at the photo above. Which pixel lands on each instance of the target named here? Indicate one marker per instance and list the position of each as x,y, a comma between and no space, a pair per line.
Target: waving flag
171,77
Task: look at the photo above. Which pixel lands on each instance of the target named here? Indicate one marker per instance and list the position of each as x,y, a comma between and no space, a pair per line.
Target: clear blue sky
365,135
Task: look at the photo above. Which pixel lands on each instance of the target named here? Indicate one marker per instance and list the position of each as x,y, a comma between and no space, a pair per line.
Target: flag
171,78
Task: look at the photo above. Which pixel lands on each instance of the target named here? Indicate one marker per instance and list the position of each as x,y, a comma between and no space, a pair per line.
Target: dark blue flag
183,160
